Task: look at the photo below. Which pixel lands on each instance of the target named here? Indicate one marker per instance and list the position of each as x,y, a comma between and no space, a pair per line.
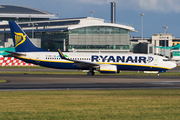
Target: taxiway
63,82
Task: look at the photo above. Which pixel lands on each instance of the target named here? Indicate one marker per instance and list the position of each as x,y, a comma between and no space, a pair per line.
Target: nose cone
172,65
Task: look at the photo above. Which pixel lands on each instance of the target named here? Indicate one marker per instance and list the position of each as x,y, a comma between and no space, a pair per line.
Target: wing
83,64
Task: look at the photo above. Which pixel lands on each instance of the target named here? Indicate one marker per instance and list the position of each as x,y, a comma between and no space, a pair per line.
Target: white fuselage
123,61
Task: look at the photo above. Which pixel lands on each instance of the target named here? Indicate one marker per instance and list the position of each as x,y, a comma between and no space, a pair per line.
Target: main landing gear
91,72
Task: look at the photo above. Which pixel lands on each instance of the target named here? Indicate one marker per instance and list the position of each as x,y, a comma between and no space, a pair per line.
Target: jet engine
108,68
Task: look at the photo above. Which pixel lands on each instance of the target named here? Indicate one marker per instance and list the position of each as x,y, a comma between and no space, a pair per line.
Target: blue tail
22,43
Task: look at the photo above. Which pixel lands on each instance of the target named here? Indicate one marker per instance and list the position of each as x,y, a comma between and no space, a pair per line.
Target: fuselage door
155,61
37,59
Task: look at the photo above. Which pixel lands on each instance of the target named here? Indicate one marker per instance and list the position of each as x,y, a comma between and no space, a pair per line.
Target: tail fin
22,43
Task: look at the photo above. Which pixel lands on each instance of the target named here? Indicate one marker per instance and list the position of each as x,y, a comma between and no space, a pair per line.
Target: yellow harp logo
19,38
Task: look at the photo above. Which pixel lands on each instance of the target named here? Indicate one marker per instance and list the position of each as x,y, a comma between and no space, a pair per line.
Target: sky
158,13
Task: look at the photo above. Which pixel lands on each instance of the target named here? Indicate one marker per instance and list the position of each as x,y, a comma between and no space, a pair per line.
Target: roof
65,24
21,11
90,21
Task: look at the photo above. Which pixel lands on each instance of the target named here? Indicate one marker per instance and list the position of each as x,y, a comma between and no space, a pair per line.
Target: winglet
61,54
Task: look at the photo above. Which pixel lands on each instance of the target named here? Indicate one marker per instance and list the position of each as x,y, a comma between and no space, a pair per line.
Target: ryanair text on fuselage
123,59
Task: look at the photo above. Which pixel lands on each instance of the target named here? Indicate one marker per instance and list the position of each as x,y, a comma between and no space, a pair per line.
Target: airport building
158,42
85,34
21,14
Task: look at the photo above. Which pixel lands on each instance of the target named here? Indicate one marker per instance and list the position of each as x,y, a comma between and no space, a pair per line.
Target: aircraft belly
59,65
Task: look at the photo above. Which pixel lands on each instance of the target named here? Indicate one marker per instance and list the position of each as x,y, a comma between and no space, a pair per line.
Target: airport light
92,13
142,14
33,24
17,19
165,27
58,15
29,17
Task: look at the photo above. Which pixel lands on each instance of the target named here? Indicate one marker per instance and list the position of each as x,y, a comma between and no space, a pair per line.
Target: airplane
103,62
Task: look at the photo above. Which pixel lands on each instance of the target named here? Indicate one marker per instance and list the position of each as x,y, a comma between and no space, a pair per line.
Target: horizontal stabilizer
15,53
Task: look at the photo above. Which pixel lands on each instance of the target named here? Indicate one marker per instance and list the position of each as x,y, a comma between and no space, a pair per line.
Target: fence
11,61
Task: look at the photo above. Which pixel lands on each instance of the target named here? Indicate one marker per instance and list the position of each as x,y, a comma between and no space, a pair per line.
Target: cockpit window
166,60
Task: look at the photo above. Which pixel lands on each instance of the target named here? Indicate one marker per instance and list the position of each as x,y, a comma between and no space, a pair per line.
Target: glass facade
49,40
121,47
162,42
99,37
99,30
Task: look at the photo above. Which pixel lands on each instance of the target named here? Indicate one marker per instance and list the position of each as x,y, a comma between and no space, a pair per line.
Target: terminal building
21,14
85,34
158,42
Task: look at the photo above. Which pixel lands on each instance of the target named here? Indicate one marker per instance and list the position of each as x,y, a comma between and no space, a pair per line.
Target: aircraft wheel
90,73
93,73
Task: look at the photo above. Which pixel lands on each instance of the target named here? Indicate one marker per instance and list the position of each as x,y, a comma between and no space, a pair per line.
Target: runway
74,82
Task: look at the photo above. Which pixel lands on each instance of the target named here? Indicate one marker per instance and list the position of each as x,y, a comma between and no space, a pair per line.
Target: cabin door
155,61
37,59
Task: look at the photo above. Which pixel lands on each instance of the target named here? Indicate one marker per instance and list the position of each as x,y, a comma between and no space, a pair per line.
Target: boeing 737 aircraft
102,62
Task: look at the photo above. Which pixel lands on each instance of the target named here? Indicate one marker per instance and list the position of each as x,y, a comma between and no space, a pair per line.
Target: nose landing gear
160,72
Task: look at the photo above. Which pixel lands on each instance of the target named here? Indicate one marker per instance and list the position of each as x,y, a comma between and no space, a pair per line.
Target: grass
91,104
2,81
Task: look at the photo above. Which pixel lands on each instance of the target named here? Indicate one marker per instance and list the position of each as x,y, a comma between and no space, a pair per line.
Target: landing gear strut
91,72
158,74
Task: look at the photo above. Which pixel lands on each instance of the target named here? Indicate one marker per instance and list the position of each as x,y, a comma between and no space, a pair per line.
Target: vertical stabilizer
22,43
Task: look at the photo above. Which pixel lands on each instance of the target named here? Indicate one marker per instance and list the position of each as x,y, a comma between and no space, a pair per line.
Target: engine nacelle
108,69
